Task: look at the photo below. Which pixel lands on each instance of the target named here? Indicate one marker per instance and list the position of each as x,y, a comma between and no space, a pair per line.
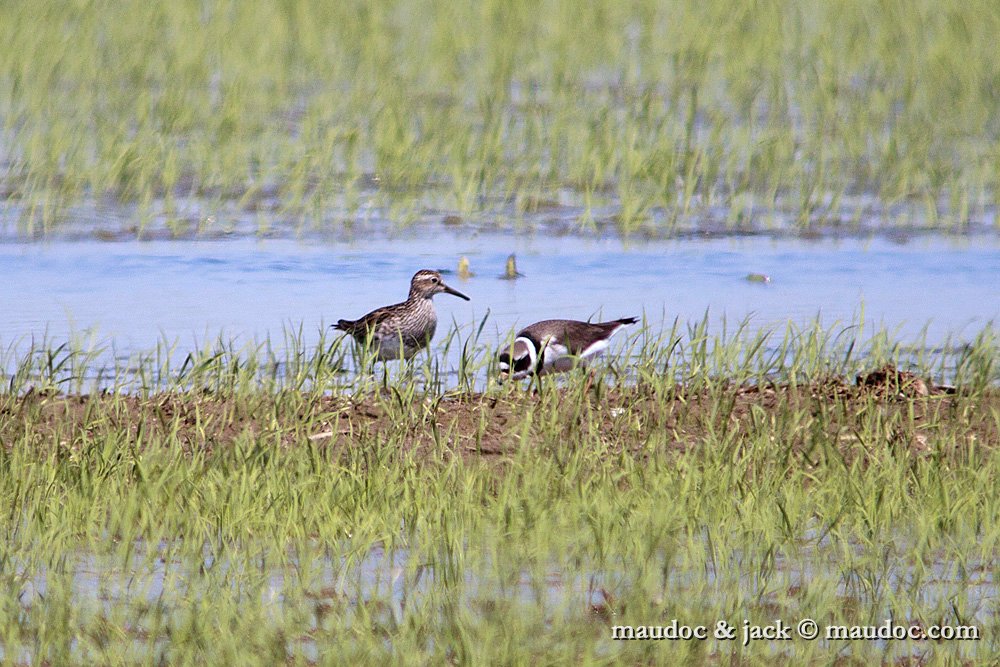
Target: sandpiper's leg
427,366
410,369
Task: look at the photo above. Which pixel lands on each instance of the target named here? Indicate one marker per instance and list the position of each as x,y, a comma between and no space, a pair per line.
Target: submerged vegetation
290,502
648,115
239,510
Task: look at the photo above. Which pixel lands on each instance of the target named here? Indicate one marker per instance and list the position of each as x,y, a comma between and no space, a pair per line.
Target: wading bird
401,330
554,346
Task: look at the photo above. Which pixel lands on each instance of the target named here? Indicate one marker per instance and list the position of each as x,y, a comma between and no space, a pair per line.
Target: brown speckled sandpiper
402,329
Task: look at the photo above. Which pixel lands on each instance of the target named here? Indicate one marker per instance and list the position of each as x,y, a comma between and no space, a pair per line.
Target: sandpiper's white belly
389,348
396,344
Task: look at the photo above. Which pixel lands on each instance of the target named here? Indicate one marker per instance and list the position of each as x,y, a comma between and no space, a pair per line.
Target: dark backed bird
402,329
554,346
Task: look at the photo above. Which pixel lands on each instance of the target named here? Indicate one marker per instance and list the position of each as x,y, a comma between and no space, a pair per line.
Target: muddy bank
882,409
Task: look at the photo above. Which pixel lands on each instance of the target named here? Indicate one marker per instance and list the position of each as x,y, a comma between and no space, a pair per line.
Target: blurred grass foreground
642,112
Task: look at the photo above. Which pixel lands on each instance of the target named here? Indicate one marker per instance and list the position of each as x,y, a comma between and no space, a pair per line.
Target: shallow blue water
136,294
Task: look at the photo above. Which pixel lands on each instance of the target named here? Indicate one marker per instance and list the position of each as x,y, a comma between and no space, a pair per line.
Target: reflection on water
136,294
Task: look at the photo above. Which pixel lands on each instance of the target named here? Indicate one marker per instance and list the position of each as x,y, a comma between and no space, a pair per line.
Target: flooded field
639,116
309,527
131,296
799,200
745,456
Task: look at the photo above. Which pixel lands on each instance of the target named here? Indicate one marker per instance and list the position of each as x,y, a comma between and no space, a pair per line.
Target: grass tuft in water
642,117
229,512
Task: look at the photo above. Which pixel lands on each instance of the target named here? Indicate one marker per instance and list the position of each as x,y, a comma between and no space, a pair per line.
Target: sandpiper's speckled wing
370,323
414,325
411,323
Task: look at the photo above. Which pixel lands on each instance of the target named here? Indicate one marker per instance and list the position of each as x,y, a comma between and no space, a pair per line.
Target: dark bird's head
519,361
426,283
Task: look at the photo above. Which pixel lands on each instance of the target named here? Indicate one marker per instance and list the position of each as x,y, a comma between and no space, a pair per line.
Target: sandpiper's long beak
454,292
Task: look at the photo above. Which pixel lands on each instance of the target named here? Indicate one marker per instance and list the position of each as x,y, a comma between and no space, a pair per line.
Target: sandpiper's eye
435,280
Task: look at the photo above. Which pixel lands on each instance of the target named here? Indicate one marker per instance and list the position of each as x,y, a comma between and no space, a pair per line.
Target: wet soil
882,409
